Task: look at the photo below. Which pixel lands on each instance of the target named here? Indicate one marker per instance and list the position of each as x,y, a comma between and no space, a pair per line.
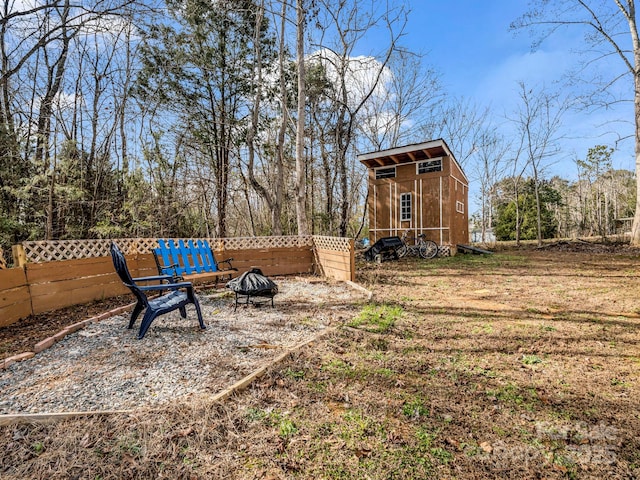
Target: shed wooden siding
439,200
431,213
460,222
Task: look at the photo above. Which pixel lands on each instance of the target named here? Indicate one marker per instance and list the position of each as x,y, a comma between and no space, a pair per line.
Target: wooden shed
419,187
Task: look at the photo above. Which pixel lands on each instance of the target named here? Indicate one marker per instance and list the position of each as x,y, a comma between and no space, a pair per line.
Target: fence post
352,259
19,256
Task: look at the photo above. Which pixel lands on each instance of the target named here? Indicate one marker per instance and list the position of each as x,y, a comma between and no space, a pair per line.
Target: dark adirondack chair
179,295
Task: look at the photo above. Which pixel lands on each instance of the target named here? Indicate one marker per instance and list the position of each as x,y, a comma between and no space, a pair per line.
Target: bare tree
611,25
463,124
537,120
42,95
343,25
488,168
408,100
270,187
300,184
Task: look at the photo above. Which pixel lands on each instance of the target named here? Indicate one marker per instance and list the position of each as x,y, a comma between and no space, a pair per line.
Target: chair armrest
153,278
166,286
173,267
228,262
175,278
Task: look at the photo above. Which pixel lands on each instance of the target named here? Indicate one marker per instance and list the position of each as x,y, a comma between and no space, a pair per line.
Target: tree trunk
301,187
517,216
43,154
635,229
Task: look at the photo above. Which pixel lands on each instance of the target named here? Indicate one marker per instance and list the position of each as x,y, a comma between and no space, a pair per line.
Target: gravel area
105,367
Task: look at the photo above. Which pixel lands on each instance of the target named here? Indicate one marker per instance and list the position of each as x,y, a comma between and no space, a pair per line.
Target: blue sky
469,43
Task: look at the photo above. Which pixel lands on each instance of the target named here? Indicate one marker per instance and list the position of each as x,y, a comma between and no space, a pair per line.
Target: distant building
623,225
489,236
419,187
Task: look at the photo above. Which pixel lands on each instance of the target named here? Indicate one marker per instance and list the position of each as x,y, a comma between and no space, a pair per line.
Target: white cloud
360,74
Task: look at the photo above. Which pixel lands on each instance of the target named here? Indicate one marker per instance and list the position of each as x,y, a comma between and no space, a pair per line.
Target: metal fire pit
252,284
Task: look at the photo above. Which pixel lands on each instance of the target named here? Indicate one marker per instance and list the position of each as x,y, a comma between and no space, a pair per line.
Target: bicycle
422,247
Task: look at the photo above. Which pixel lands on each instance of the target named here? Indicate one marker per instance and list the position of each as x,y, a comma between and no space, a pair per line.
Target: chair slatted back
120,264
208,259
188,257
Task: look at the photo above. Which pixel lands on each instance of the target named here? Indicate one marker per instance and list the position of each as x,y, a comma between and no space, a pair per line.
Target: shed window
459,207
427,166
385,173
405,207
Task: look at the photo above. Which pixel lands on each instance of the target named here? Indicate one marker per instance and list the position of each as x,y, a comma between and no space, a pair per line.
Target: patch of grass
534,310
414,349
425,438
616,382
501,432
339,368
565,465
415,408
470,449
317,386
634,461
512,394
377,318
186,459
442,455
531,359
308,321
356,427
130,445
485,372
384,372
37,447
256,414
485,328
275,418
294,374
286,428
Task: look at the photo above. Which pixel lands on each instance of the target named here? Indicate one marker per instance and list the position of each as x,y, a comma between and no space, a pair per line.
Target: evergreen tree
197,71
505,223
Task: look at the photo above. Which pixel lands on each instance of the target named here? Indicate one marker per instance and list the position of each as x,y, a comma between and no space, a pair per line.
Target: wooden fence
57,274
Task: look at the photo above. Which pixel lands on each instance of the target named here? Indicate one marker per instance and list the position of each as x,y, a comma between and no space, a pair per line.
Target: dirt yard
521,364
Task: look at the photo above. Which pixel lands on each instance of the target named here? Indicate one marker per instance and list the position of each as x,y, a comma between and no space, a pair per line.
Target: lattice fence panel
52,250
338,244
3,263
254,243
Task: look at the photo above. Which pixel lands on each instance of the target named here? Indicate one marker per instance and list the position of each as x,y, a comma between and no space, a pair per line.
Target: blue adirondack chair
190,258
179,295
